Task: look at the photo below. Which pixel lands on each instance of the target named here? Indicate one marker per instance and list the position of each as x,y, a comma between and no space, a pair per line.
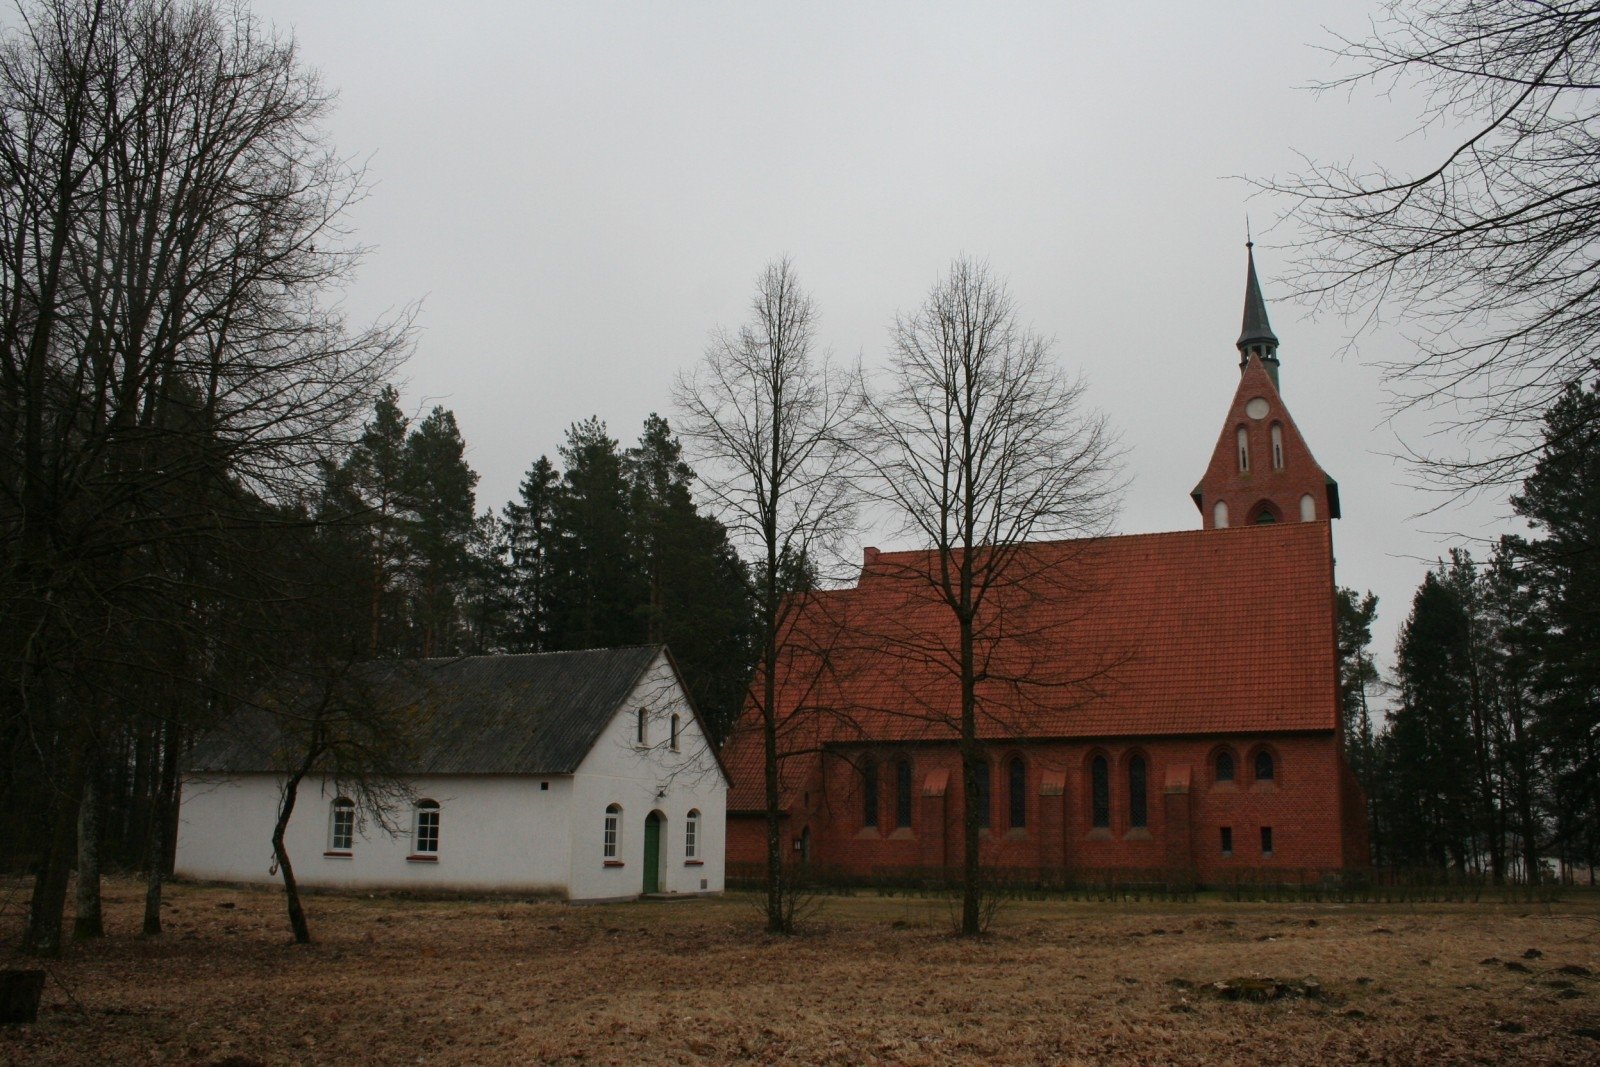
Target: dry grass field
873,980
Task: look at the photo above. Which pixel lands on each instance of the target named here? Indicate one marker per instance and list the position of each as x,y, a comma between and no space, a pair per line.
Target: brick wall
1316,822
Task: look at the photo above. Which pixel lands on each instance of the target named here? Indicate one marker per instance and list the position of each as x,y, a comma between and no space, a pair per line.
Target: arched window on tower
1277,446
1219,515
1308,508
1243,438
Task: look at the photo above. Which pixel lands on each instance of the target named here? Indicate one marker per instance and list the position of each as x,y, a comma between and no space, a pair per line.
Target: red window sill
614,863
694,863
422,858
332,855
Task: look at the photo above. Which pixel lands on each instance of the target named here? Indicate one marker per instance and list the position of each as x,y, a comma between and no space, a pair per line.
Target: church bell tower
1261,470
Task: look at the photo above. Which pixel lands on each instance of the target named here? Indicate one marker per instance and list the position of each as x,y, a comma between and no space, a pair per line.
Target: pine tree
596,588
1358,677
1428,769
374,486
439,485
698,597
529,532
1561,499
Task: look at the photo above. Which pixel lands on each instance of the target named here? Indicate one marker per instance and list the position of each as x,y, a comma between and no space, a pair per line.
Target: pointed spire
1256,338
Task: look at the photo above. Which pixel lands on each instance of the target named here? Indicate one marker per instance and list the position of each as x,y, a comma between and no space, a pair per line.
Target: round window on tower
1257,408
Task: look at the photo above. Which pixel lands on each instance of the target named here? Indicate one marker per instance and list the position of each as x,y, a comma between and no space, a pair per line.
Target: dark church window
1019,793
1100,792
1138,810
1244,449
1266,840
1224,766
902,793
1264,766
869,793
980,793
1277,446
1266,518
1227,840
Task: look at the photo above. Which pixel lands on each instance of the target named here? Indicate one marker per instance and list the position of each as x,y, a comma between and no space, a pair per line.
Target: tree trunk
88,922
776,923
162,818
291,891
49,903
971,860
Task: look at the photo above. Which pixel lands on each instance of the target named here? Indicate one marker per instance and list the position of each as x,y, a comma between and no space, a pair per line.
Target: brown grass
873,981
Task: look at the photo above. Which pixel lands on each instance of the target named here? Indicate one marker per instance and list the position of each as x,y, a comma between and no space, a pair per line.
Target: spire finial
1256,338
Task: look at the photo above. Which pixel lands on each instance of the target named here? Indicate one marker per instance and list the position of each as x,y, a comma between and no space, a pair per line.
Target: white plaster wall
618,770
495,832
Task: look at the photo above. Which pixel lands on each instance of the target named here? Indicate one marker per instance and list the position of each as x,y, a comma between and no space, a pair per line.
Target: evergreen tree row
608,549
1490,757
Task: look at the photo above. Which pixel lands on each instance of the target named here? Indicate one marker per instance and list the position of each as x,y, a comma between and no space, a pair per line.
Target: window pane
1019,794
1264,766
1100,783
869,794
980,794
1227,840
1138,813
691,828
902,793
1266,840
1225,766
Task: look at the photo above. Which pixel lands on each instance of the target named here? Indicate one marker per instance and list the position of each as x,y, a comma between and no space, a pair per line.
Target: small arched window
342,825
674,733
1277,446
425,829
1243,437
1138,798
1219,515
691,835
1100,792
902,793
869,793
1308,508
980,793
1264,767
642,729
1017,775
612,841
1224,766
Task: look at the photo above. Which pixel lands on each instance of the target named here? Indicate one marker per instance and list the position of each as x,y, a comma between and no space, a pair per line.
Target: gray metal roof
1256,327
527,714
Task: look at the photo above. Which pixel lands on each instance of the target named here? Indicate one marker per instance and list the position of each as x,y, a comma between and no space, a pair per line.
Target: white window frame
424,842
611,838
691,835
341,825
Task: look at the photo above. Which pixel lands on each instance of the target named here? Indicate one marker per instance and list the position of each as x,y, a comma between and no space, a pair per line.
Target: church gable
1262,470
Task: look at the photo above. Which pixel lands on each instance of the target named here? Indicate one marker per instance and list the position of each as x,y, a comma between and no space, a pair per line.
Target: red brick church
1161,702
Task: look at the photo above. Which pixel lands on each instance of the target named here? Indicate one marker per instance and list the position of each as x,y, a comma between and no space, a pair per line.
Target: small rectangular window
613,814
642,730
342,832
1266,840
691,834
1227,840
426,839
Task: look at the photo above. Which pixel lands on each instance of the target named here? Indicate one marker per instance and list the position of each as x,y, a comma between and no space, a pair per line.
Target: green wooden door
652,853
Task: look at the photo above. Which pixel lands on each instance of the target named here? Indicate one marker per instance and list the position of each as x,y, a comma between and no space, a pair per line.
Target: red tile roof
1198,632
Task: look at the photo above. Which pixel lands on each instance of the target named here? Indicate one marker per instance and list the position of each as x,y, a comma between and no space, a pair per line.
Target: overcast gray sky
579,193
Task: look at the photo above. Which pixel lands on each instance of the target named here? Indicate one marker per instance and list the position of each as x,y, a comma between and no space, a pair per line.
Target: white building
584,774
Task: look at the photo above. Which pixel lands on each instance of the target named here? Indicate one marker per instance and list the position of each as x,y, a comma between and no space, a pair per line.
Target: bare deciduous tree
980,446
171,368
767,419
1488,253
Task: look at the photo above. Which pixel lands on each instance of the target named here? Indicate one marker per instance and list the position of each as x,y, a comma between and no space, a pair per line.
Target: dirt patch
873,980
